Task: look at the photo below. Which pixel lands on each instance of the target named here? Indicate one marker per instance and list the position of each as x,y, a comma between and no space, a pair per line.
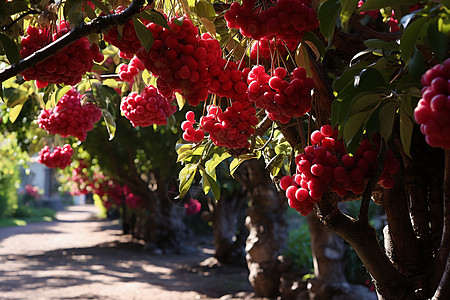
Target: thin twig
32,11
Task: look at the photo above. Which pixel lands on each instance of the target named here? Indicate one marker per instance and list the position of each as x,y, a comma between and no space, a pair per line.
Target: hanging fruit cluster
70,117
286,19
147,108
433,110
60,157
282,96
328,165
67,65
127,72
127,41
231,128
180,58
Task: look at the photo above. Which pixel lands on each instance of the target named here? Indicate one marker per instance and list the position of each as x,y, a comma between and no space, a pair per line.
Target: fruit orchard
342,100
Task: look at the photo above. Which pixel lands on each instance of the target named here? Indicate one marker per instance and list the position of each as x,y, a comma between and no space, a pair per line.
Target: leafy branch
83,29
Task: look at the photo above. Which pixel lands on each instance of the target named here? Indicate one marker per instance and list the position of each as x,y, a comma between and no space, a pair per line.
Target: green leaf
377,4
110,123
209,183
155,17
409,38
180,100
347,76
436,39
327,14
446,3
370,79
216,159
61,92
15,112
236,162
416,65
186,177
365,102
144,34
10,48
348,7
75,15
14,7
380,44
101,6
406,129
205,9
311,37
354,124
98,68
387,116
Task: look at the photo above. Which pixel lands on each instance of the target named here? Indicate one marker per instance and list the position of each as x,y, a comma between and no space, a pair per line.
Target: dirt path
79,257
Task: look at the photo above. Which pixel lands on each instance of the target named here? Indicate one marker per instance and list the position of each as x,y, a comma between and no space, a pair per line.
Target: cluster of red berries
287,19
127,72
190,134
147,108
282,99
181,58
132,200
228,81
67,65
80,180
193,206
328,165
69,117
115,192
127,41
433,110
60,157
232,128
266,48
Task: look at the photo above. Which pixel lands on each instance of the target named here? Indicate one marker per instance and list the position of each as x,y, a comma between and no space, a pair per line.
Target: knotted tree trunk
228,215
268,229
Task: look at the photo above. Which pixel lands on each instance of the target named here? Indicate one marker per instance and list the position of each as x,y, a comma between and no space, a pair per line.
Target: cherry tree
329,95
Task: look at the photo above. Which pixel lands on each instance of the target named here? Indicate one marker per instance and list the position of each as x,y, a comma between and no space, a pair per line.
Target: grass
37,214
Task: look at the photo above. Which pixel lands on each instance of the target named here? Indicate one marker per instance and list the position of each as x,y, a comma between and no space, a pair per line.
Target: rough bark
328,251
229,230
267,230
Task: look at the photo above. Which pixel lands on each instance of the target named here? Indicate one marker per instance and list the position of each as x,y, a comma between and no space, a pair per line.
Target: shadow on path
73,265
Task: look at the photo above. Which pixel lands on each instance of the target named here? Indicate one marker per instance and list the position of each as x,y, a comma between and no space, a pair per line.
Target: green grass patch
37,214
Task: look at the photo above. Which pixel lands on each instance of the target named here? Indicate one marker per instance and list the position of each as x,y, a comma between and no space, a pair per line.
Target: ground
83,257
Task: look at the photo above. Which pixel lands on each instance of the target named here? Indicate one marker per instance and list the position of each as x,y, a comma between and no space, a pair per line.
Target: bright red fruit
60,157
69,117
433,109
67,65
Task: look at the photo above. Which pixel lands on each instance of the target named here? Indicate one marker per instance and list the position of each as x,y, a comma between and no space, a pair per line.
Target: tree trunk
228,219
160,223
268,231
329,281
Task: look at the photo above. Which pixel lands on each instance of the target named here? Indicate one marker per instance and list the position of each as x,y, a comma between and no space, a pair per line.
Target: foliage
299,248
34,214
366,83
11,158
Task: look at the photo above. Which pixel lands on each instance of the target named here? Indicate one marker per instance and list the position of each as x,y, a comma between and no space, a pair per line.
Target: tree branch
362,237
443,251
84,29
